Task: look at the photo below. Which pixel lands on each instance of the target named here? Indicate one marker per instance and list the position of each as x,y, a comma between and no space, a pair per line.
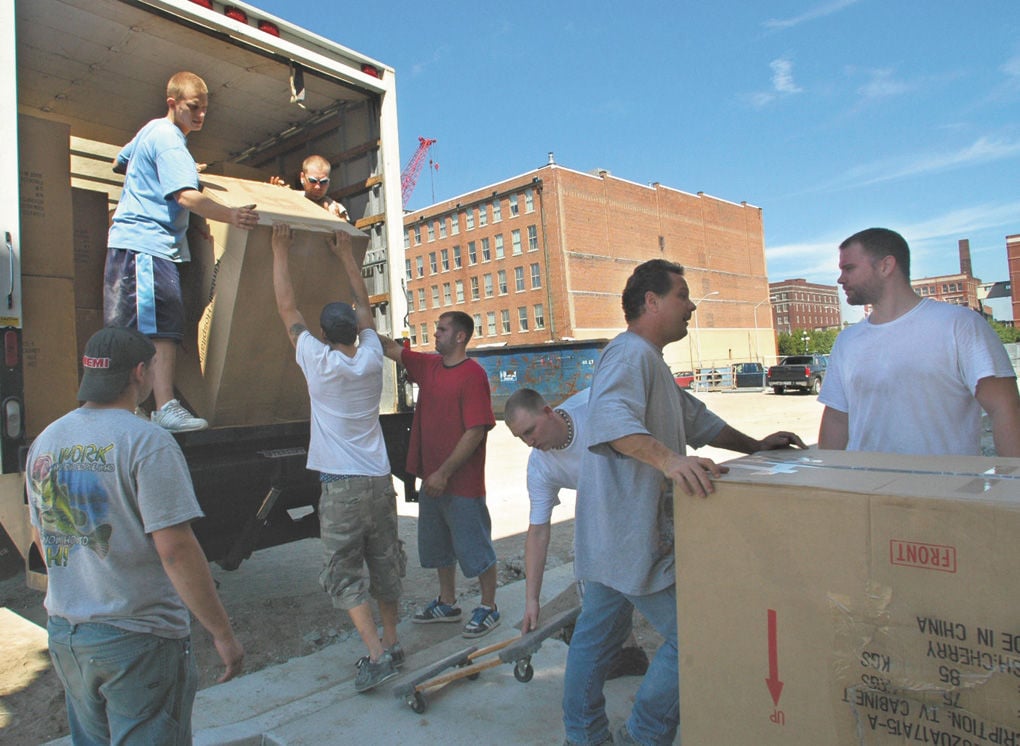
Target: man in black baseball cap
110,356
339,323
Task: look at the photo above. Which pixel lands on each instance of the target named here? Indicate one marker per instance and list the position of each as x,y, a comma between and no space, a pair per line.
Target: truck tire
816,385
779,389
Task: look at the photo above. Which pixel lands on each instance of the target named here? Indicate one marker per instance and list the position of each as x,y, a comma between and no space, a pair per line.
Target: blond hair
184,83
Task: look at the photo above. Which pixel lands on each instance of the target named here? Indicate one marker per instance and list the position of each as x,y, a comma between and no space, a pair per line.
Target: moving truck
86,75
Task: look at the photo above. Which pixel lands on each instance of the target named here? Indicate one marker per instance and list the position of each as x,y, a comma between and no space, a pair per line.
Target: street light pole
805,339
757,344
697,337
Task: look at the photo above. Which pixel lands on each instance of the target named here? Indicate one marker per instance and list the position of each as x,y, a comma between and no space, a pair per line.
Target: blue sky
830,115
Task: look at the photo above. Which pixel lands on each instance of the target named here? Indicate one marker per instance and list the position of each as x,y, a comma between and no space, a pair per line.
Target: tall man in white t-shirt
914,376
556,437
358,509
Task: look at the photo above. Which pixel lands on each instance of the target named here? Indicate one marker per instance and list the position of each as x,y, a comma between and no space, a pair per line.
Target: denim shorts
143,292
120,684
358,522
455,529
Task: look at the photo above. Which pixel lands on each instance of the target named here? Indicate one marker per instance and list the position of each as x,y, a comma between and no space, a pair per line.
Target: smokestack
552,159
965,266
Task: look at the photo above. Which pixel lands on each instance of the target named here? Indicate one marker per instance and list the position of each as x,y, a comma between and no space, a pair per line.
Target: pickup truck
804,372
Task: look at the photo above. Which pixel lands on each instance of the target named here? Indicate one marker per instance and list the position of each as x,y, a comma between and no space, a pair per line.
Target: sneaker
175,418
483,621
623,736
437,611
371,675
631,661
396,654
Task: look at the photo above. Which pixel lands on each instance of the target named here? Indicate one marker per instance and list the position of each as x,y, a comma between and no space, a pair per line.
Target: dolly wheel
523,671
417,703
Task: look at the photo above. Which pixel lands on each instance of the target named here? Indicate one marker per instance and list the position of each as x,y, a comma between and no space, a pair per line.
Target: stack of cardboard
848,598
47,272
236,367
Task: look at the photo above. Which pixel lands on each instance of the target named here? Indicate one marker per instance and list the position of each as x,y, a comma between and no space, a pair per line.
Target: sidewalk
311,699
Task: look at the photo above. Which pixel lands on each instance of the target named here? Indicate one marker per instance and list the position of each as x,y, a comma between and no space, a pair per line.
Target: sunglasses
313,180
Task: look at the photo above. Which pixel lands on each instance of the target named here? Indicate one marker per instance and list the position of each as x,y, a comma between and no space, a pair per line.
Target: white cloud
819,11
882,85
1012,67
982,150
783,84
782,76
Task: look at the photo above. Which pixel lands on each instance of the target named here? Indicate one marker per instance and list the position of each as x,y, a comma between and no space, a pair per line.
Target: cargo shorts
358,521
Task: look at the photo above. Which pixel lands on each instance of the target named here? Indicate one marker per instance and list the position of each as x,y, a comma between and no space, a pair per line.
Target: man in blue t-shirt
142,288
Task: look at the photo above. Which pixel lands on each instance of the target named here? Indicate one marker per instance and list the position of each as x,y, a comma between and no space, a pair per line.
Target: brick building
799,304
544,256
1013,260
960,288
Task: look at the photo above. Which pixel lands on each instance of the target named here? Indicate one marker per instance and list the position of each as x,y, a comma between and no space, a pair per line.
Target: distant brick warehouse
799,304
544,256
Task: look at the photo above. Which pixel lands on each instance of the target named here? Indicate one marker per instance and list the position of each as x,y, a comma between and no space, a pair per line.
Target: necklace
570,428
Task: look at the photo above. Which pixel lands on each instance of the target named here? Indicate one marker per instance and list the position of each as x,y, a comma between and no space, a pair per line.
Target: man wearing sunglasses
314,177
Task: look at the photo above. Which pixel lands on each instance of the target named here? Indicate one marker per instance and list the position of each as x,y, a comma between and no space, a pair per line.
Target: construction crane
409,176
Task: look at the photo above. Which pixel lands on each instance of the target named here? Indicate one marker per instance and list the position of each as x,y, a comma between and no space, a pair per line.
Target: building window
514,209
501,281
532,238
432,263
536,276
424,334
539,316
435,296
407,240
447,297
487,283
515,241
417,235
410,298
490,321
469,220
483,215
457,264
522,318
419,265
472,253
486,254
474,288
497,211
442,227
431,231
421,299
444,258
504,317
478,324
519,279
455,225
529,200
407,268
459,290
499,245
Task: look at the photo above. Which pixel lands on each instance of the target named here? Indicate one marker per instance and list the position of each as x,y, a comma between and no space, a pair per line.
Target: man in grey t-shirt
639,425
111,504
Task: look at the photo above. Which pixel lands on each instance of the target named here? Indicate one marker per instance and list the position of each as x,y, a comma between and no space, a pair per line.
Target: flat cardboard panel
88,321
236,366
44,167
50,350
91,227
839,598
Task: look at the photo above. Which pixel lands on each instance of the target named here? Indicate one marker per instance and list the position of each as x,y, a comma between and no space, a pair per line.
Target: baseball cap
339,321
110,356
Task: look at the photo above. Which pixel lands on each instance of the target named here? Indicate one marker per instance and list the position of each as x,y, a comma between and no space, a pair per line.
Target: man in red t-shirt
451,421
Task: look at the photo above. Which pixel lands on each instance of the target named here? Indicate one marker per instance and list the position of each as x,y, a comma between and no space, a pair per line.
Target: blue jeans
599,633
123,687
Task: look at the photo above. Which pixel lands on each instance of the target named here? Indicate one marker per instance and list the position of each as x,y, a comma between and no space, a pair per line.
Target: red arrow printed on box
774,684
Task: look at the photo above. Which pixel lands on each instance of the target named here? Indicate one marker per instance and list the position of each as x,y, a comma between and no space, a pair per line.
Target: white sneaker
175,418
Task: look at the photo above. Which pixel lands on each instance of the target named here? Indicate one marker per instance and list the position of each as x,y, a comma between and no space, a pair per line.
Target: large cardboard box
831,598
44,166
236,367
91,212
50,351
